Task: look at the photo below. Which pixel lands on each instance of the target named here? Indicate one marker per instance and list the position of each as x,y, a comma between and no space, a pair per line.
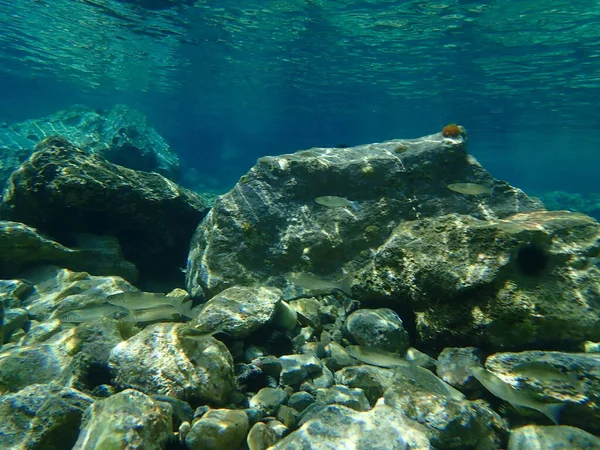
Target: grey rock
22,246
58,291
337,357
182,368
577,387
260,437
296,369
534,437
453,422
343,395
128,419
336,426
454,366
41,417
44,363
12,292
373,381
323,379
62,190
308,309
287,416
41,332
121,135
470,280
218,429
12,319
239,310
268,399
379,328
272,211
300,400
278,428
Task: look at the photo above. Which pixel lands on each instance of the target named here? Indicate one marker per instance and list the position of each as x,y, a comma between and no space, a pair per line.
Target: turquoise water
226,84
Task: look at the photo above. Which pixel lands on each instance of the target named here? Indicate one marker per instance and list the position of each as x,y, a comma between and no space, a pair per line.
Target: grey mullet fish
316,283
335,201
506,392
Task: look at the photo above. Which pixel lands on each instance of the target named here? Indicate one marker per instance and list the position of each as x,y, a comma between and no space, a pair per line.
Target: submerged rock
269,224
555,377
42,417
128,419
336,426
379,328
534,437
121,135
190,370
63,190
218,429
507,283
22,246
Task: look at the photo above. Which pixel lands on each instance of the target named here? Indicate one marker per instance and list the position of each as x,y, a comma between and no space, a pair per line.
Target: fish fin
346,286
354,205
185,309
552,411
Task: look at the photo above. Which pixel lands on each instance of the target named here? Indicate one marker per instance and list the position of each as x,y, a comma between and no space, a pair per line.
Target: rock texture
571,378
128,419
192,370
54,411
121,135
22,246
504,283
62,189
269,223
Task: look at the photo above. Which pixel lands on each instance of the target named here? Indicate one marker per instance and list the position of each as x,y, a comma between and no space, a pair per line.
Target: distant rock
62,190
270,224
584,203
121,135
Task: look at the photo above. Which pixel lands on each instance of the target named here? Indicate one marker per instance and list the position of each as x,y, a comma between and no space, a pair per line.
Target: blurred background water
226,84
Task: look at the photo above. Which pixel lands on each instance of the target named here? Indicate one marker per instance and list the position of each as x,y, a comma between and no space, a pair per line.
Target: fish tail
552,411
354,205
346,286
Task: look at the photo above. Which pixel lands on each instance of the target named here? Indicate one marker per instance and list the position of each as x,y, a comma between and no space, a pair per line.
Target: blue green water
226,84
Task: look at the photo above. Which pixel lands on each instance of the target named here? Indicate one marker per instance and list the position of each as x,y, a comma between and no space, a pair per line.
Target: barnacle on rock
451,130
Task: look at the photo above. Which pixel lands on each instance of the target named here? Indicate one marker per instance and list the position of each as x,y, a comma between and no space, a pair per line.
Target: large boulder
121,135
526,281
269,223
62,190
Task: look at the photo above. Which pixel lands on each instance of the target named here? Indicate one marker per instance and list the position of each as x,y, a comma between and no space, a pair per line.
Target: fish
142,300
376,357
317,283
334,201
194,335
91,313
158,313
506,392
542,371
469,188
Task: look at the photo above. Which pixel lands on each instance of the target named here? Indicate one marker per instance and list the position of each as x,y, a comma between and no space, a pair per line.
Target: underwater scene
299,225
